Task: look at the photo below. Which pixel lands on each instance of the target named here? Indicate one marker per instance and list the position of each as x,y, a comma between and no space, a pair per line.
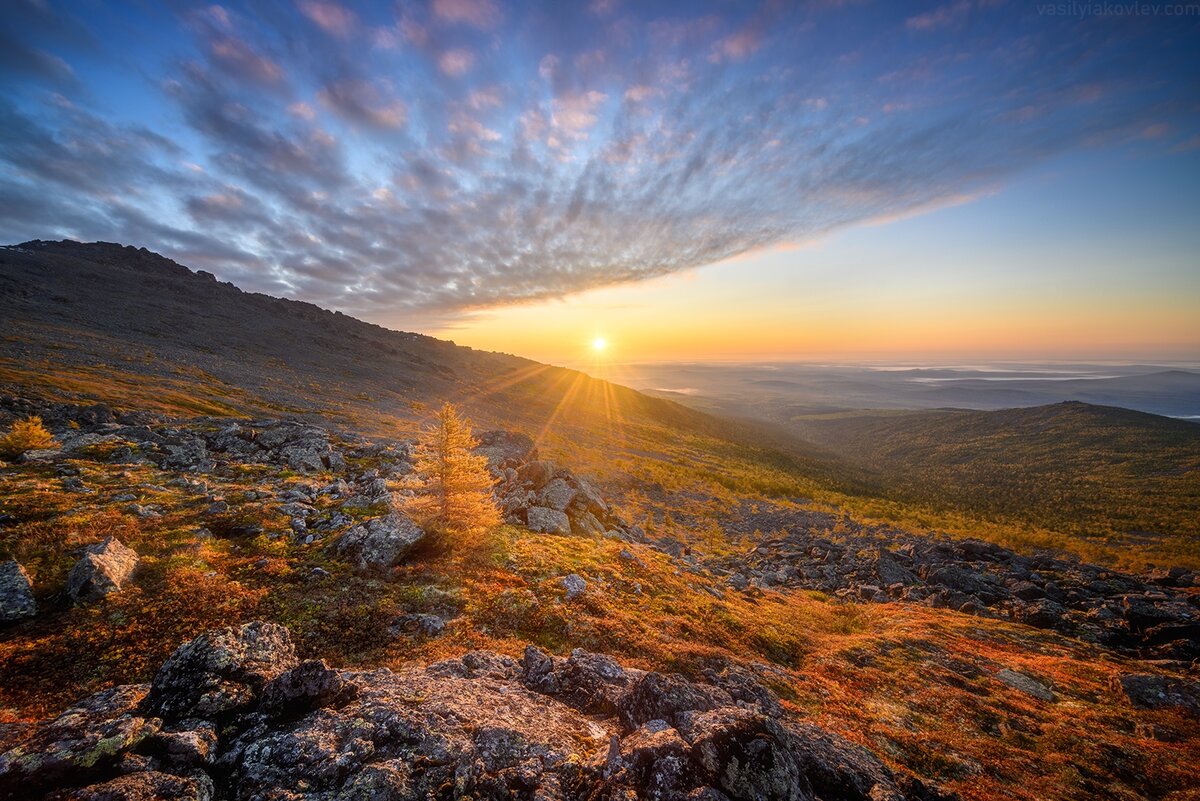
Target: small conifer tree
455,495
26,435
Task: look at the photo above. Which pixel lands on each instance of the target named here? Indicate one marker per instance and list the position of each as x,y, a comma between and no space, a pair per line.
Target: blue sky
426,164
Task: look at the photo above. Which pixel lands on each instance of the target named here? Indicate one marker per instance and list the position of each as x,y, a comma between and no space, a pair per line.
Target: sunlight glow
599,344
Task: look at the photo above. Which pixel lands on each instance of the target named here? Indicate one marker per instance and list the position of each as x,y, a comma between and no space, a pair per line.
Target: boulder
149,785
106,567
1026,684
575,585
548,521
536,474
593,683
16,593
418,623
79,745
190,744
308,686
1149,691
558,494
303,448
746,755
505,449
380,543
220,672
657,696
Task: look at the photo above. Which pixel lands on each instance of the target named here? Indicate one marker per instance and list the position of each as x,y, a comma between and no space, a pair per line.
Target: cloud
244,62
18,58
478,13
451,157
939,17
334,19
574,115
456,62
363,102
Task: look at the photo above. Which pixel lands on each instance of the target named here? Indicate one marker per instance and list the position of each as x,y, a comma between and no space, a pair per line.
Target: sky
685,181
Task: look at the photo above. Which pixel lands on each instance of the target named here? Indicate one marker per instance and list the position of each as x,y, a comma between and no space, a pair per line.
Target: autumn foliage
26,435
455,494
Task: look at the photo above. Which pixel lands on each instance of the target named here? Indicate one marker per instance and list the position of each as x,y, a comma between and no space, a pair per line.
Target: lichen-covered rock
1149,691
658,696
558,494
1026,684
308,686
574,584
149,786
593,683
106,567
380,543
78,745
220,672
425,734
240,710
745,755
548,521
418,623
16,593
186,745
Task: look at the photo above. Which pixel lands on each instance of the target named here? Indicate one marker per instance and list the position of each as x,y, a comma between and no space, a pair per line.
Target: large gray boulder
558,494
106,567
1152,691
380,543
548,521
220,672
16,593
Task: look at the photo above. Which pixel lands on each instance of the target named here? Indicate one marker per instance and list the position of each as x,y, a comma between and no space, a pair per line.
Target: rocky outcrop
380,543
220,672
83,744
106,567
16,593
554,500
1149,691
233,715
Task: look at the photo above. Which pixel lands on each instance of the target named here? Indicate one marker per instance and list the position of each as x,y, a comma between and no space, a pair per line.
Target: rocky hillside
586,651
104,321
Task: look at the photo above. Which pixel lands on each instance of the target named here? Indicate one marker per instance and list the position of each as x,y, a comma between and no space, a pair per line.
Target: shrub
26,435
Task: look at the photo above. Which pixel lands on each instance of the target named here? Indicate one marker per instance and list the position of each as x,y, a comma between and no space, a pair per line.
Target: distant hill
1096,470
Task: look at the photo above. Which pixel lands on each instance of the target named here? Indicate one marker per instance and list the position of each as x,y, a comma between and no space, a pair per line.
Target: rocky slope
1155,616
234,714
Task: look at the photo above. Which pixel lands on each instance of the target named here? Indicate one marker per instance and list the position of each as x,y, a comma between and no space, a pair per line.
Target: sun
599,344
